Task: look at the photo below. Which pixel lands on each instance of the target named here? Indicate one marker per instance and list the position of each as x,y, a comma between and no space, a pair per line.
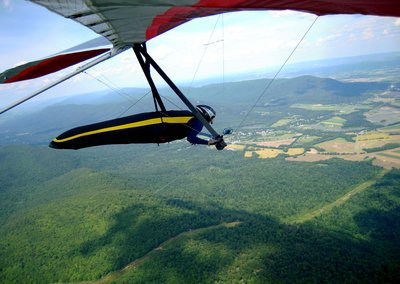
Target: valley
307,190
296,136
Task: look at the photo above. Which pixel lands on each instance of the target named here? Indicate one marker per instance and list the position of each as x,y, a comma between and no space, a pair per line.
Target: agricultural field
336,122
306,139
338,145
236,147
276,143
337,108
282,122
295,151
382,146
387,158
263,153
389,97
375,139
385,115
395,129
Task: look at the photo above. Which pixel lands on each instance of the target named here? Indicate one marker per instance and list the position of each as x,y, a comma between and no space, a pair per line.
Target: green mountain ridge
90,213
228,99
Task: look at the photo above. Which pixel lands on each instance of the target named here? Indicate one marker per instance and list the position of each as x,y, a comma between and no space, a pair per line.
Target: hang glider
129,24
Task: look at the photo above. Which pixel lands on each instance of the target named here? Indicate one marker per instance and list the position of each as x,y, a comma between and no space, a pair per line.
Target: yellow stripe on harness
181,119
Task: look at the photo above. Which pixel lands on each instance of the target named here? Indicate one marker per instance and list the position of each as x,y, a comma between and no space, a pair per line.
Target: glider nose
54,145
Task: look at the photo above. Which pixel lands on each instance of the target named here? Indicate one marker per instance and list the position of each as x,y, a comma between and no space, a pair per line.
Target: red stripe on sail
176,16
53,64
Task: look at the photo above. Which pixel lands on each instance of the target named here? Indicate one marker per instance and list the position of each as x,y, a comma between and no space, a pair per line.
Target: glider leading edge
129,24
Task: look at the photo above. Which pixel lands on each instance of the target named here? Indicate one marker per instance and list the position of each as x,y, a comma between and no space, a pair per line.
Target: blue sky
241,42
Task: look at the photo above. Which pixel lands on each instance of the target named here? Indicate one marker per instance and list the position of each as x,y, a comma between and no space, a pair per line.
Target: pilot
195,125
151,127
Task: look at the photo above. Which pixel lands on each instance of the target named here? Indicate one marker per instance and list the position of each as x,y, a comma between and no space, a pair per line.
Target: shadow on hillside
259,249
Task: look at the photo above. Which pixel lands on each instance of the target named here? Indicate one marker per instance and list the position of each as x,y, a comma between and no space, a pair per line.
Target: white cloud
162,52
328,38
6,4
353,37
397,22
368,34
290,13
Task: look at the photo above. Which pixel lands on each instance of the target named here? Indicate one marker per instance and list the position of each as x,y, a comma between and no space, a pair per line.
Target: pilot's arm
195,126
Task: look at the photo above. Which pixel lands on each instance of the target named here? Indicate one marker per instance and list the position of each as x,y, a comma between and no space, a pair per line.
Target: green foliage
96,211
372,218
357,119
388,146
187,214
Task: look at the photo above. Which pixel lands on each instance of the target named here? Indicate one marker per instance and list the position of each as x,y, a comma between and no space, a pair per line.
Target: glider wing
56,62
124,22
46,66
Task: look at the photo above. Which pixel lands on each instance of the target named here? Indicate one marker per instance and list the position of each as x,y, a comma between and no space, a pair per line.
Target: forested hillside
307,191
179,214
231,100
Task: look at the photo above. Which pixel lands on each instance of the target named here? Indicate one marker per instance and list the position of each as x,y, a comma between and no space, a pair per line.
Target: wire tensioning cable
132,105
115,89
119,92
205,49
276,75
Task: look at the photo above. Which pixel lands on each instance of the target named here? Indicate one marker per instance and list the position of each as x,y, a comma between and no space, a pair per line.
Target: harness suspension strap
146,70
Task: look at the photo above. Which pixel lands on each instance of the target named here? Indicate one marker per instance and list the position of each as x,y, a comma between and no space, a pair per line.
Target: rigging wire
185,172
118,91
115,89
171,102
223,54
132,105
205,49
276,75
